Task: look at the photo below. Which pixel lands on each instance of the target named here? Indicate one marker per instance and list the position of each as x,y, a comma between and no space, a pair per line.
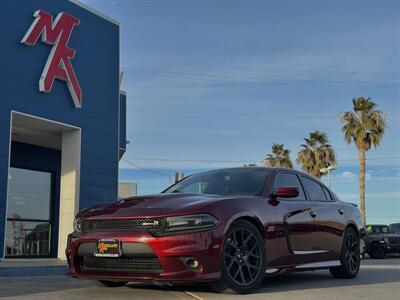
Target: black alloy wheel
350,258
377,251
243,259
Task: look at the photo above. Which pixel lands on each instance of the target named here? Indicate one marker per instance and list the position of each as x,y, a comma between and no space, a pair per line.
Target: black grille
394,240
135,224
139,264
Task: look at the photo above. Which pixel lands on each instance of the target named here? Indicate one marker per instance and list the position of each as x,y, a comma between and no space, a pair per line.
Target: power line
277,115
226,79
280,116
242,161
145,169
230,67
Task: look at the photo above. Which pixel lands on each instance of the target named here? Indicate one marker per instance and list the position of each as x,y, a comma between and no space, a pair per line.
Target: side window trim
328,197
301,184
302,187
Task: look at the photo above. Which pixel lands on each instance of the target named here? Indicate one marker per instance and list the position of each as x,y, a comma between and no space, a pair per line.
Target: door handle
313,213
341,211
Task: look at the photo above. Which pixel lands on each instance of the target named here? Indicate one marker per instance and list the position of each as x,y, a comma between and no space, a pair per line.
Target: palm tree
364,126
316,154
279,158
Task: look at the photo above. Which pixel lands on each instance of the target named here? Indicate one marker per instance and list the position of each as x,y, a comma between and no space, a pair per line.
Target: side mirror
286,192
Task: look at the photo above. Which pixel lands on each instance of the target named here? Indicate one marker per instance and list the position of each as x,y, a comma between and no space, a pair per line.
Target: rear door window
290,180
327,194
314,189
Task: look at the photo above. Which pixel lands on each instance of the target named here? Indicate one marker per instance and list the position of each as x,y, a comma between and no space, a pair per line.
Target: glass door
29,218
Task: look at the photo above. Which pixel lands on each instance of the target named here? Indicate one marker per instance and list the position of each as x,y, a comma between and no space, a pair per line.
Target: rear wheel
105,283
350,256
377,251
243,260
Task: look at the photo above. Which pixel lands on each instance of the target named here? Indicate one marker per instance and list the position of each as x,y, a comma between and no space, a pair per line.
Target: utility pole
178,176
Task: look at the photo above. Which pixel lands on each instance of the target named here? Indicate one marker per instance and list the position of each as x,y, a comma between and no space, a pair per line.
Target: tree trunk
361,157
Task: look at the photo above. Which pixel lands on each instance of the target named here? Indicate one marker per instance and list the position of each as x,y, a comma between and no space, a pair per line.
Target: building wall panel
96,64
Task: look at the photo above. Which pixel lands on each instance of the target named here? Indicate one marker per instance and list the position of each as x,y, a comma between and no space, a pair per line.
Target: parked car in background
380,240
228,227
395,227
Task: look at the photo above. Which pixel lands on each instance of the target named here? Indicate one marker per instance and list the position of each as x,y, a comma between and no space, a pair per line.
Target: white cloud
347,174
351,175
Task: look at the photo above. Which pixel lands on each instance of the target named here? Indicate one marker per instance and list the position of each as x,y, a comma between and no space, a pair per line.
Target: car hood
154,205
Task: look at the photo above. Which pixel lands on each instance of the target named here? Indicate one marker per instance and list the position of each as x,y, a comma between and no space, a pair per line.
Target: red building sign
58,65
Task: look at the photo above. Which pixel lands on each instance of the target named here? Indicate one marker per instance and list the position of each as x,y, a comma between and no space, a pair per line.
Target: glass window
327,194
314,190
27,238
395,228
378,229
29,194
290,180
243,181
28,213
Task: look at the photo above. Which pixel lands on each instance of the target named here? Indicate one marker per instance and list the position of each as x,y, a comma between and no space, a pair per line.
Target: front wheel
242,261
377,251
349,256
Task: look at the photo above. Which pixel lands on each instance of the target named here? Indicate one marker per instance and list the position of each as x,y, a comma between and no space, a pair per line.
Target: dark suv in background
380,240
395,227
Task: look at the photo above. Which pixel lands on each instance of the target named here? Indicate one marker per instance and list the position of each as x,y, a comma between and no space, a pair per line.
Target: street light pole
328,170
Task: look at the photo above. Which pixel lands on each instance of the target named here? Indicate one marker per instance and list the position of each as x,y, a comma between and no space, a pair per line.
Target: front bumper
170,252
389,248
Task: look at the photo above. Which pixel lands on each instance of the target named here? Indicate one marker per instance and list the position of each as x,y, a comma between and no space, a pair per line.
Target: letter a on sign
58,64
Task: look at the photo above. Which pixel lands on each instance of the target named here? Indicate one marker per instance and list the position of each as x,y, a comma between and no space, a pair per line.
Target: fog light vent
191,263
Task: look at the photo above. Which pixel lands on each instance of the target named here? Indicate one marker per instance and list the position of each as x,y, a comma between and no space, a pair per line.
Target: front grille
394,240
153,225
137,265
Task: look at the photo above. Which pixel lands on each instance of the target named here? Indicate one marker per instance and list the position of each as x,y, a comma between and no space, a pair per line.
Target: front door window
29,225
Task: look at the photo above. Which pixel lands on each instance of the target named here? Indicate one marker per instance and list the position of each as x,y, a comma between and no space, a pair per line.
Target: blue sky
213,84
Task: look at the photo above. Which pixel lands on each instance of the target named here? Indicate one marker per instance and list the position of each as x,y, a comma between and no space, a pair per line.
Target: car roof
272,169
258,168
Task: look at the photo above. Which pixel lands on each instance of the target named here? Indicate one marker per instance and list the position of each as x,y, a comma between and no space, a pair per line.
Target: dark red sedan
230,227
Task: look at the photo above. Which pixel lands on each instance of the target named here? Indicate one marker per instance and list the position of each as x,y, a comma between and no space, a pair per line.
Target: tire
376,251
349,257
109,284
243,260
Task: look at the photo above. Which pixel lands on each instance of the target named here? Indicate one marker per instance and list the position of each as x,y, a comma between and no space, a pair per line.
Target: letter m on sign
58,64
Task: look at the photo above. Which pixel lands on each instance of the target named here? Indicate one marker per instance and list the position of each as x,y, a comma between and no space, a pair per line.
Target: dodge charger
230,228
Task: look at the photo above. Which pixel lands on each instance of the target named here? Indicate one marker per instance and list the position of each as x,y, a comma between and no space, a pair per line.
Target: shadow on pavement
372,272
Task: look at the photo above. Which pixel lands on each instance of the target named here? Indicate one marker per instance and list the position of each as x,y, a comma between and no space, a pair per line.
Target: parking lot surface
378,279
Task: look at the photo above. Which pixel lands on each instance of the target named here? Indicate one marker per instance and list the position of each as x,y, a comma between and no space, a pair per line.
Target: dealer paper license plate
108,248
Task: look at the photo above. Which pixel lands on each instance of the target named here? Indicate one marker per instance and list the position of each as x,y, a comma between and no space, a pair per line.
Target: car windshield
377,229
249,182
395,227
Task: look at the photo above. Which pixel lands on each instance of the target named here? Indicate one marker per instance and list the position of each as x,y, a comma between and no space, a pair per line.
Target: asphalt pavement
378,279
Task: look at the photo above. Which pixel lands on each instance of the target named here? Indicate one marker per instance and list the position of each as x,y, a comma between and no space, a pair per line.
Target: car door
330,218
298,219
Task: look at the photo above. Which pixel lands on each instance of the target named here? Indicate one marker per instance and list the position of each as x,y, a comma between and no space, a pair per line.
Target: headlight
77,225
192,222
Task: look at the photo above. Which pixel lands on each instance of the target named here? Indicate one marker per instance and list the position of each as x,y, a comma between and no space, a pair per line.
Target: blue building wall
122,124
96,65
